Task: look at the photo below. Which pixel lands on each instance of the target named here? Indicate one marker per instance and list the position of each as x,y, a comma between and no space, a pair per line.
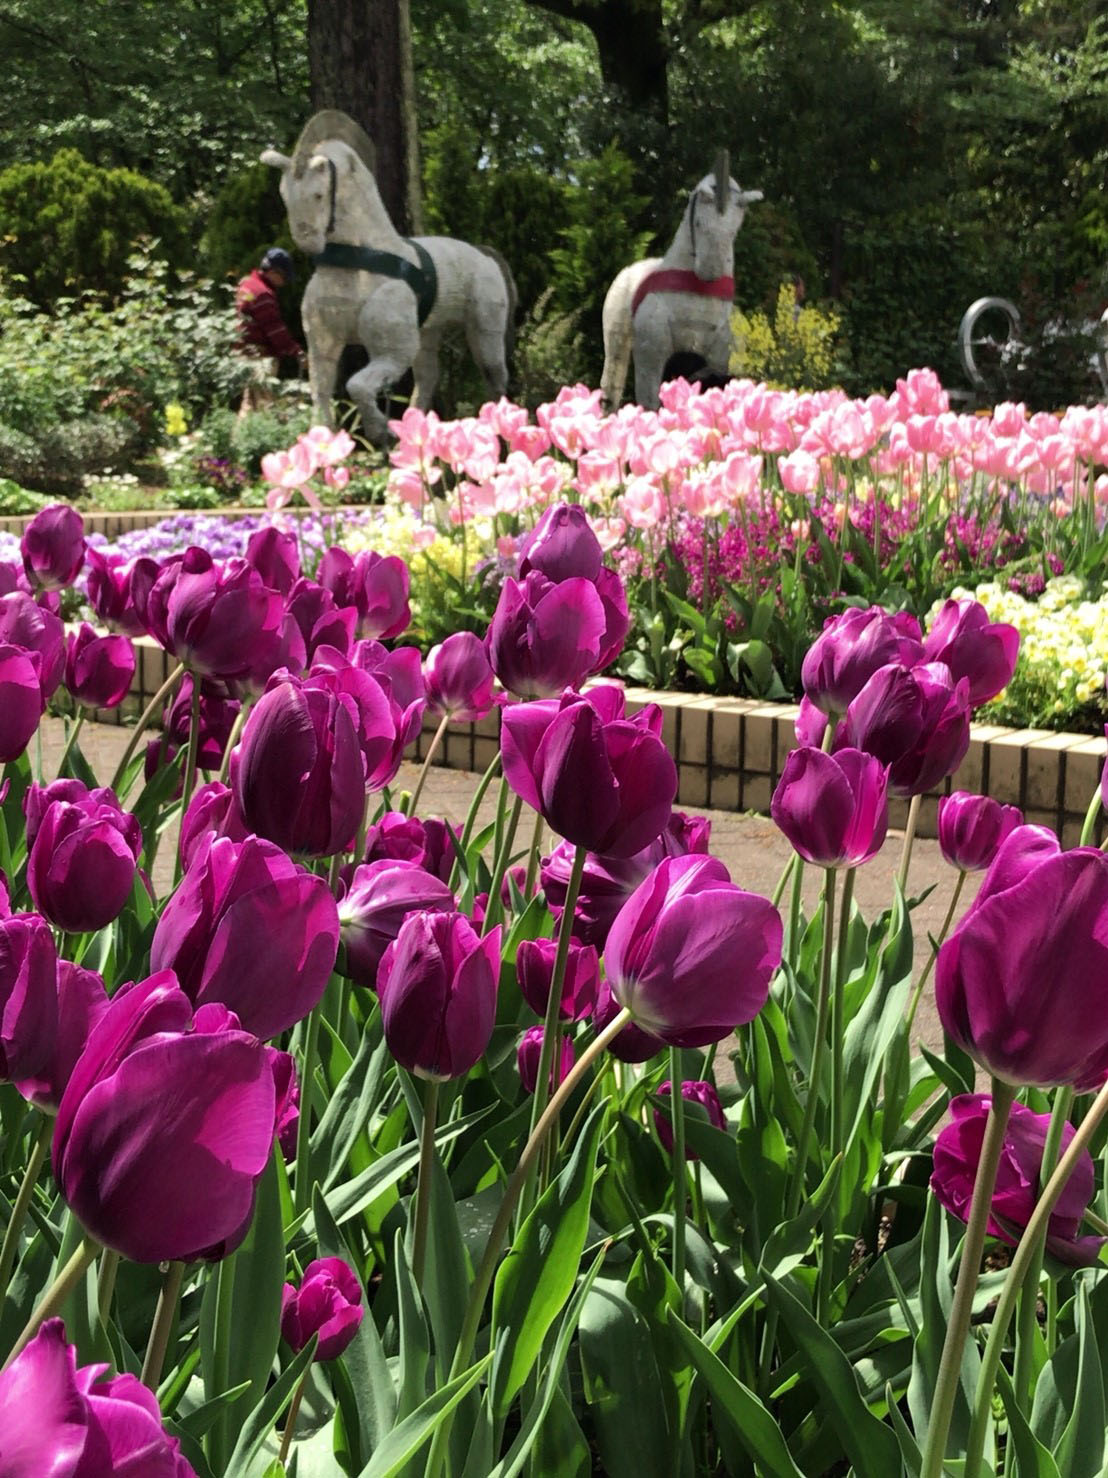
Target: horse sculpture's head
329,147
715,212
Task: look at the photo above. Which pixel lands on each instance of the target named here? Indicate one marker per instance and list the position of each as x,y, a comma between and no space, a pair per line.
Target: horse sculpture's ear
278,161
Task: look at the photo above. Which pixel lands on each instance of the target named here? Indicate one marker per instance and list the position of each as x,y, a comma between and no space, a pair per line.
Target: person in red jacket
262,332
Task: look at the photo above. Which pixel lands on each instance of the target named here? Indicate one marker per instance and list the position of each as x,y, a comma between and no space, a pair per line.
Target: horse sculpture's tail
513,297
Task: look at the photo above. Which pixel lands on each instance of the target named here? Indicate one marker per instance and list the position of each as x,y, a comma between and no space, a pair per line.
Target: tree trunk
632,46
360,61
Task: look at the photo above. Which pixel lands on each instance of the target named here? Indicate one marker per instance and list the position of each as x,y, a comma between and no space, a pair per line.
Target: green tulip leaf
260,1423
408,1436
622,1385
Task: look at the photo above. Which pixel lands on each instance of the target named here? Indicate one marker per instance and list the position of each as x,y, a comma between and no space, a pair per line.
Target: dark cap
277,259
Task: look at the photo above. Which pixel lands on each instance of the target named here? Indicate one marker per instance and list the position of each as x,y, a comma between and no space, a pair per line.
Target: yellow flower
176,422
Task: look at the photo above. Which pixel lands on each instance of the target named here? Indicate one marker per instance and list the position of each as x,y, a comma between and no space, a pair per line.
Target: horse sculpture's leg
387,327
486,330
324,352
425,371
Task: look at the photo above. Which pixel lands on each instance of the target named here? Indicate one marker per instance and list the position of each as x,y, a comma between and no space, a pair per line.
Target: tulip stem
56,1295
1088,826
934,955
819,1048
1017,1271
22,1202
680,1173
500,867
969,1268
782,881
909,838
221,1357
147,716
796,899
233,739
413,799
1023,1373
70,740
422,1209
290,1419
838,1128
105,1285
483,1279
191,757
533,857
303,1189
164,1316
471,815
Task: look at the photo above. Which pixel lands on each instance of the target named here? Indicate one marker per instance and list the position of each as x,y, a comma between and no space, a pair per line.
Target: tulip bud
212,813
914,720
66,1422
850,649
81,1001
459,679
832,807
28,996
535,971
694,1091
529,1056
219,619
328,1303
437,987
274,555
39,634
691,955
546,637
562,545
21,701
109,591
53,547
984,652
82,863
98,669
972,827
322,622
252,930
160,1186
375,585
956,1157
377,900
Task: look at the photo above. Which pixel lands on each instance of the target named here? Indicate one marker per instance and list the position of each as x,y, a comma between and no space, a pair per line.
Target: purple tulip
287,1087
212,813
375,585
274,555
1022,983
691,955
28,996
832,807
297,773
850,649
328,1303
437,987
152,1185
958,1151
617,617
322,622
535,971
81,1001
249,928
632,1044
108,579
377,900
972,827
546,637
39,632
399,671
219,619
59,1421
915,720
21,701
692,1091
217,719
53,547
984,652
82,862
608,882
384,730
529,1055
99,670
459,679
608,786
562,545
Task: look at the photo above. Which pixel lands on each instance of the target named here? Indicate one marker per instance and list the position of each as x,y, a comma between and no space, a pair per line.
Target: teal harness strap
423,280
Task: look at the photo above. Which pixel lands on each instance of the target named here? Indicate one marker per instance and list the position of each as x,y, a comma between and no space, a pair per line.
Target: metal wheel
988,335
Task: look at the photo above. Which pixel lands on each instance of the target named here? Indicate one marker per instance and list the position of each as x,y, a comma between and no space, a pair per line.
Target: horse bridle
333,172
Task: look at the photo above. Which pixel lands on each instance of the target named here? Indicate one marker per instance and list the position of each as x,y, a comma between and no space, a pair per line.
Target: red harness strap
676,280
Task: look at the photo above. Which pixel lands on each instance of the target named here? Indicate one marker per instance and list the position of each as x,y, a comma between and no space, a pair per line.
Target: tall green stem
290,1419
934,955
471,816
436,740
233,738
191,756
162,1328
71,740
1088,826
969,1268
105,1285
422,1210
909,838
495,909
1029,1298
680,1171
146,718
302,1188
56,1295
819,1047
533,856
22,1202
218,1438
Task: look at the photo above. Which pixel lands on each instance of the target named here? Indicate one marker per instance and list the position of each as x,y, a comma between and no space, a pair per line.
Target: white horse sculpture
679,302
394,294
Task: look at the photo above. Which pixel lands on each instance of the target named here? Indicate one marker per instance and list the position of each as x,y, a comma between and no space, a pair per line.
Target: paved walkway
751,846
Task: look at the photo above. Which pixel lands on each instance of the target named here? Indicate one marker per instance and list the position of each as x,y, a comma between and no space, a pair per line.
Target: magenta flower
212,813
375,585
605,785
217,719
99,670
223,621
459,679
437,986
529,1055
108,578
21,701
562,545
28,996
535,971
850,649
984,652
328,1303
399,671
832,807
322,622
632,1044
914,720
250,929
383,728
297,773
1022,983
82,863
159,1186
546,637
274,555
972,827
956,1156
53,547
39,632
691,955
58,1421
287,1087
377,900
81,1001
692,1091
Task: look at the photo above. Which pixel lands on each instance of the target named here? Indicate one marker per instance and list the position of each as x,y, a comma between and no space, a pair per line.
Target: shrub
797,350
